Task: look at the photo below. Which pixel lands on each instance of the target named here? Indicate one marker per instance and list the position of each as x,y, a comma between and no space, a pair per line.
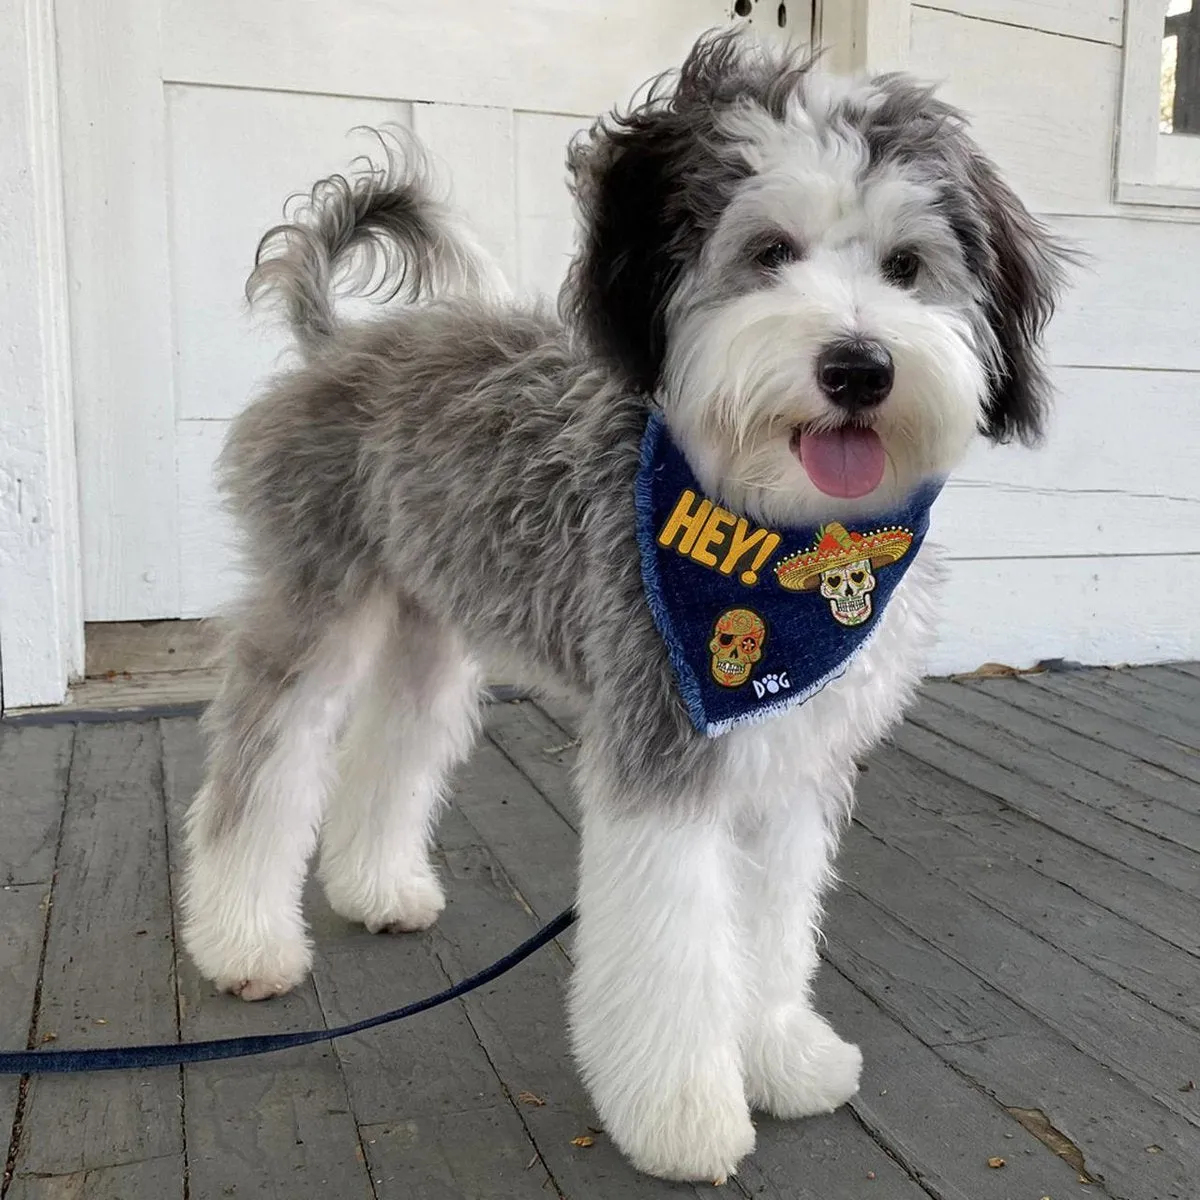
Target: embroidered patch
841,566
737,644
744,609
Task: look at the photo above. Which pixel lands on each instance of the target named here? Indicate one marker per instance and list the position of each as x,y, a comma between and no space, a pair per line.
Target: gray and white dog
448,491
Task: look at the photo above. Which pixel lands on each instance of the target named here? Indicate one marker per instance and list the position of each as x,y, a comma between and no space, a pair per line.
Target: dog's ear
625,181
650,185
1023,269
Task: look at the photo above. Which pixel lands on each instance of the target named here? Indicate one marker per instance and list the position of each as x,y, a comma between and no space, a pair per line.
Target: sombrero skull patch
842,564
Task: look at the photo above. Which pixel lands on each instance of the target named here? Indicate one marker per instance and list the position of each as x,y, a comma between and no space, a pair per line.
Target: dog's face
826,285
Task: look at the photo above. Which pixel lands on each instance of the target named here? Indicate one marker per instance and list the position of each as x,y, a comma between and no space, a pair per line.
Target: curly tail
385,216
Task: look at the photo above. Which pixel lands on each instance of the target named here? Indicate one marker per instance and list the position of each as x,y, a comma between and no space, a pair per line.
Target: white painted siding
1089,547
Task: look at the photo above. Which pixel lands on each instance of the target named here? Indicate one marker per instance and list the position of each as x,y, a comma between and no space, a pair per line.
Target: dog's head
827,285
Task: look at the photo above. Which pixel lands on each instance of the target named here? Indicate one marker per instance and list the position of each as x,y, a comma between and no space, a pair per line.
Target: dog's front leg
658,999
794,1062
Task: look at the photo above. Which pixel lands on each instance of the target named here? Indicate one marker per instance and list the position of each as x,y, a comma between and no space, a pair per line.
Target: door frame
41,606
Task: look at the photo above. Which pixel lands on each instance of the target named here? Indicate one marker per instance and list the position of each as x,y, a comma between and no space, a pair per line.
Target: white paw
796,1066
698,1131
253,970
399,906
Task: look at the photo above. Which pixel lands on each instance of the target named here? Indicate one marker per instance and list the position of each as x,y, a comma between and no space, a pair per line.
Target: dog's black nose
855,375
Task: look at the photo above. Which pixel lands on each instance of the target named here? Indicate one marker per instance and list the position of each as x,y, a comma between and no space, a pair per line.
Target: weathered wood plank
1011,1054
1171,679
940,1127
1082,688
22,929
534,844
108,976
1151,855
1071,747
1186,668
1153,905
34,764
1032,762
1111,946
473,1153
278,1126
541,747
1109,1023
1154,697
156,1179
1071,712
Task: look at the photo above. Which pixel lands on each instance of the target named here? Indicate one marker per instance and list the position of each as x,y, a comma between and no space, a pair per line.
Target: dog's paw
401,906
796,1066
697,1132
257,989
254,973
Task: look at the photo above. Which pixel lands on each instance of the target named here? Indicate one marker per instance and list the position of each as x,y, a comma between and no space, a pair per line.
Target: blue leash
173,1054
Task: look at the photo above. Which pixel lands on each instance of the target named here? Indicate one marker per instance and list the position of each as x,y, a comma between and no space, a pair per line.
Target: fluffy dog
824,290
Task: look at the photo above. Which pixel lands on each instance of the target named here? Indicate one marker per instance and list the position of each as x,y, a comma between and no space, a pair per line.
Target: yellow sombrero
838,547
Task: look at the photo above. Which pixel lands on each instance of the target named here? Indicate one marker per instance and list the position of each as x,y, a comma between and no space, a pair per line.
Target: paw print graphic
772,685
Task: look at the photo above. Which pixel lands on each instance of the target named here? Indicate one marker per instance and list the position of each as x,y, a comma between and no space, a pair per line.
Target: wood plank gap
877,1135
440,958
168,852
14,1140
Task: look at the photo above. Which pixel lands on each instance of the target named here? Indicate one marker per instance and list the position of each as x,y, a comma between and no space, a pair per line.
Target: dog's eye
778,254
901,268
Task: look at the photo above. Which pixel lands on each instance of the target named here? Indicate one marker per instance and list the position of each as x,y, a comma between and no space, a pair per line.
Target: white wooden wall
1088,548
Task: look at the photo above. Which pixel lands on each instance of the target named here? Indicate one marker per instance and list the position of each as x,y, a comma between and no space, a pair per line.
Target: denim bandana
758,619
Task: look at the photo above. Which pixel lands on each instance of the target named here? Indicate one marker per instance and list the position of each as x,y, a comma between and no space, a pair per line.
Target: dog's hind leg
253,826
416,720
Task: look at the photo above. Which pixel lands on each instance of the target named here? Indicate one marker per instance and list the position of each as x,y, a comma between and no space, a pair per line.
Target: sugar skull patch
842,564
736,645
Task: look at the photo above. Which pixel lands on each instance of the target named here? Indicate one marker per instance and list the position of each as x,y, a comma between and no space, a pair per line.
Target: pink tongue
846,462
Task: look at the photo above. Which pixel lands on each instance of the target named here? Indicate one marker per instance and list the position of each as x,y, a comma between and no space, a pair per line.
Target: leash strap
124,1058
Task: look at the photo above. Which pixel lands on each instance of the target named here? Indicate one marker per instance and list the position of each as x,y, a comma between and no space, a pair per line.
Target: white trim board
41,623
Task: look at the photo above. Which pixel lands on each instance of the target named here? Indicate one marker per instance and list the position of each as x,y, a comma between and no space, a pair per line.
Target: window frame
1152,168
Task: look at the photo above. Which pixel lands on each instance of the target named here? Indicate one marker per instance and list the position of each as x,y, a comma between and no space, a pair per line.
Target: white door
187,123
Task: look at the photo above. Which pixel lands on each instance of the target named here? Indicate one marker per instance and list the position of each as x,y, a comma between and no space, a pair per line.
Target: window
1158,160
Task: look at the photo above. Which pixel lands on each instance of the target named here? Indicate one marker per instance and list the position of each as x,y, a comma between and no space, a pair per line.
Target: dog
813,294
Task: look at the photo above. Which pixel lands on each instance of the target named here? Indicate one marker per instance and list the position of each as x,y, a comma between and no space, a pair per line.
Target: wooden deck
1016,946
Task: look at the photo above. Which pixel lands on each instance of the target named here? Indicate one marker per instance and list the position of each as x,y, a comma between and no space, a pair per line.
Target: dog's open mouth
847,462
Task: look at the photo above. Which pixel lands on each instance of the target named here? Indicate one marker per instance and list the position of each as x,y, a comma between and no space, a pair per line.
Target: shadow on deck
1015,945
